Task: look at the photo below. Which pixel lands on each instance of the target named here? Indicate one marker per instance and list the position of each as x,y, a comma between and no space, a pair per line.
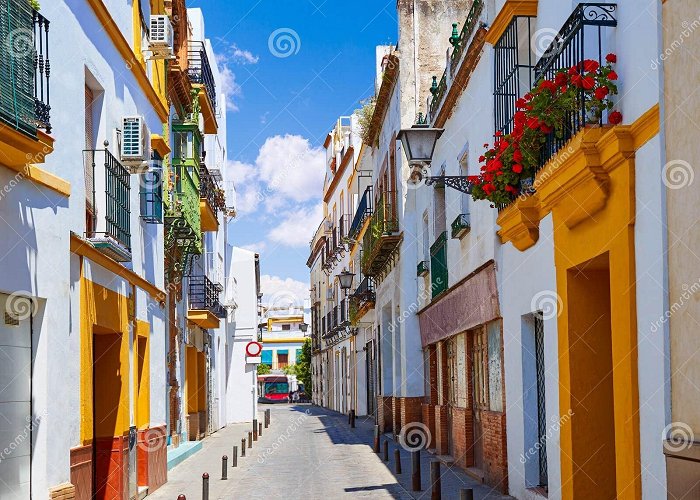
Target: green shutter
438,265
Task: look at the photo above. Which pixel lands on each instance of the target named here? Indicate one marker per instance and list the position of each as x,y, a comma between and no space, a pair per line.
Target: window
541,408
464,172
513,70
282,359
286,327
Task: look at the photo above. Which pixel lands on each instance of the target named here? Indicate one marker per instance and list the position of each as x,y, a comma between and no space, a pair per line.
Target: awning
266,357
468,304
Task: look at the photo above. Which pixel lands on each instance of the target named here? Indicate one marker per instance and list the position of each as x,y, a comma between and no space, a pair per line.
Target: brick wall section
495,455
396,415
65,491
428,419
463,436
441,433
384,414
410,411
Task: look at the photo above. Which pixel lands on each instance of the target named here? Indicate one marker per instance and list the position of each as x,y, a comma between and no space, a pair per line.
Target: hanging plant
509,165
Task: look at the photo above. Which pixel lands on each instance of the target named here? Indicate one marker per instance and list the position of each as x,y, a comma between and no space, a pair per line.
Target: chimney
425,27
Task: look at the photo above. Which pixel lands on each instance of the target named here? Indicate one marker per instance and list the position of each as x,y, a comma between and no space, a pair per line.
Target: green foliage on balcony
438,265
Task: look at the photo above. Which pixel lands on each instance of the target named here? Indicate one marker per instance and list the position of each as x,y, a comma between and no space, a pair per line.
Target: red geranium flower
561,79
517,156
481,158
549,85
576,80
590,66
612,76
573,70
588,83
511,189
520,103
486,145
517,168
473,179
546,128
533,123
601,92
615,117
611,58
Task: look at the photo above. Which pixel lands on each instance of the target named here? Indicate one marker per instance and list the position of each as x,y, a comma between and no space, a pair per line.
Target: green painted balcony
460,226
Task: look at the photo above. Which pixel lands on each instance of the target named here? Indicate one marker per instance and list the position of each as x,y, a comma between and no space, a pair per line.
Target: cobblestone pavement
307,453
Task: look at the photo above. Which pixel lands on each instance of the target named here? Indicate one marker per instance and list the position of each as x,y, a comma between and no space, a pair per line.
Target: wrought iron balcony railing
24,68
199,70
110,226
363,296
209,189
364,210
204,296
460,226
151,192
380,239
582,37
459,42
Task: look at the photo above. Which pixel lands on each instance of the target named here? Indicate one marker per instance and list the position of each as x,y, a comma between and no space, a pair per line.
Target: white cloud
297,227
242,56
287,169
258,247
230,88
290,166
283,292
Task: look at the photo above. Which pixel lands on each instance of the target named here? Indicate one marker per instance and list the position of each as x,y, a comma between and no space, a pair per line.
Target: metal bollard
352,419
376,439
205,486
435,480
415,470
234,457
269,416
466,494
259,428
250,439
255,429
397,459
181,497
224,468
386,450
243,447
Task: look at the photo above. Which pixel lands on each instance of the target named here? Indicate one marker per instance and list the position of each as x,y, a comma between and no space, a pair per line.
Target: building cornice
383,96
130,58
511,9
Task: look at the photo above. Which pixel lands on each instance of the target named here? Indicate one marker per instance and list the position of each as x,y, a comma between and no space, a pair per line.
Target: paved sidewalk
307,453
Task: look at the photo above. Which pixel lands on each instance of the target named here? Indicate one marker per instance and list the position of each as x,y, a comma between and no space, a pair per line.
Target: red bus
275,388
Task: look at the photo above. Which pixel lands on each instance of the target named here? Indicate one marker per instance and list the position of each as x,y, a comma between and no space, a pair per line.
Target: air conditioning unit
135,151
161,38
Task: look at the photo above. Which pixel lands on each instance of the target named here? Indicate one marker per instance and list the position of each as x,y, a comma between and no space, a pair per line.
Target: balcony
466,49
364,210
422,269
109,227
211,198
382,239
183,235
204,309
438,265
24,85
151,193
201,77
460,226
361,300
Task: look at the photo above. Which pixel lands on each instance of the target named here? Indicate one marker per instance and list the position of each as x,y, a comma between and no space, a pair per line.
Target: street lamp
303,327
345,279
418,143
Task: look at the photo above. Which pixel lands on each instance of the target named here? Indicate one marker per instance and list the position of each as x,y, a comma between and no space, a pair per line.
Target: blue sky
291,67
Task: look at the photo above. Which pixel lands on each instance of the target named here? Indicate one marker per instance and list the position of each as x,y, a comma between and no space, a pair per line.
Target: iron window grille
24,68
364,210
151,192
204,295
199,69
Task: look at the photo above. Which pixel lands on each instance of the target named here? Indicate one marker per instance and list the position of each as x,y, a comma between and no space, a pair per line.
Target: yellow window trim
511,9
159,144
132,62
283,341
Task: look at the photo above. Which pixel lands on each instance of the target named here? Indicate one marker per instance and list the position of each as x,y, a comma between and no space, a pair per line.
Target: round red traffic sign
253,349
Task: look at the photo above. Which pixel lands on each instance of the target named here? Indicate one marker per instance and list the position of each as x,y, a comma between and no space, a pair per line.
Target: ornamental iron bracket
454,181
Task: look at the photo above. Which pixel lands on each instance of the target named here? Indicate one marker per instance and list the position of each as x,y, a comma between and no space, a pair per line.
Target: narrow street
310,453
